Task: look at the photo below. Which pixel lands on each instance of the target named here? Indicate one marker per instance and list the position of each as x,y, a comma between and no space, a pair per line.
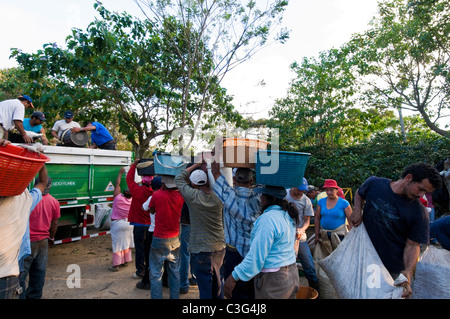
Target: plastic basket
278,168
169,164
18,167
240,152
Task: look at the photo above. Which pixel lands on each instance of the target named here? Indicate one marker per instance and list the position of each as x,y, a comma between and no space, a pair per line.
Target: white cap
198,177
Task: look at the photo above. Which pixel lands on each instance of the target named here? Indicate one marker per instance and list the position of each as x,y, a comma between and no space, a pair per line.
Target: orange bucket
305,292
18,167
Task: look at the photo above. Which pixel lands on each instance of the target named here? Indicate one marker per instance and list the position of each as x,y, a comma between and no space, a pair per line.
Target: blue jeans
209,272
165,249
35,267
306,259
9,287
185,256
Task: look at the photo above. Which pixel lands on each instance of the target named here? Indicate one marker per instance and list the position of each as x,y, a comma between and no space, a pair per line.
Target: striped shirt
241,208
205,211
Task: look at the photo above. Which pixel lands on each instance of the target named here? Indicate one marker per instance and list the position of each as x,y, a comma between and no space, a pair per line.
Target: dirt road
90,258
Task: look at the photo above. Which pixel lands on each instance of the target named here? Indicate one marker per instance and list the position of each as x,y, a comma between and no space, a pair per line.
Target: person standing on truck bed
12,113
60,126
33,124
100,136
140,219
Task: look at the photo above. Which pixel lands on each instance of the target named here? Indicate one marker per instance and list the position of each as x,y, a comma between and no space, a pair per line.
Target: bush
386,155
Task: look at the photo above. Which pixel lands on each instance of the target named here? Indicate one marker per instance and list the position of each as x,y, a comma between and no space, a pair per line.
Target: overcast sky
315,26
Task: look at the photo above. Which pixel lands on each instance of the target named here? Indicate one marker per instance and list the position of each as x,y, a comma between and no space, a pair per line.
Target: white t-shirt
304,207
11,110
61,125
14,214
146,207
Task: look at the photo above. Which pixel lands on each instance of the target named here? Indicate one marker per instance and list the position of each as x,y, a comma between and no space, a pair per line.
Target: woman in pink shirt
121,230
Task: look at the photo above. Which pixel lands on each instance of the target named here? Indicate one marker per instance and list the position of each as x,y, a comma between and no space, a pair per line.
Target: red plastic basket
18,167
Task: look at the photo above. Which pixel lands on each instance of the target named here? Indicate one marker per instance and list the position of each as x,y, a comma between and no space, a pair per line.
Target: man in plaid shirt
241,208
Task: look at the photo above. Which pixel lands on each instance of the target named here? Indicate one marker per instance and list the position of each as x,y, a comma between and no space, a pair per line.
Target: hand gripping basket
18,167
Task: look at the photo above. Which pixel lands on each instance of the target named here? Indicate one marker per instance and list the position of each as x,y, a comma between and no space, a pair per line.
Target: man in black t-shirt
396,222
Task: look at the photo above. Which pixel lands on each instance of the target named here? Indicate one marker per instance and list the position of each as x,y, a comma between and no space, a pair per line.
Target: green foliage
386,155
404,57
127,71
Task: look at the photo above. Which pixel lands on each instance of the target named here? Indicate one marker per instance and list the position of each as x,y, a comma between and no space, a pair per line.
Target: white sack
432,277
356,270
102,217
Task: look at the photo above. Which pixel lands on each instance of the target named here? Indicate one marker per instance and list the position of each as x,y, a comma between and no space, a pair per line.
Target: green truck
82,178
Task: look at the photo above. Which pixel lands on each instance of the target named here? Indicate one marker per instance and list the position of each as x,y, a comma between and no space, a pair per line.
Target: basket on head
240,152
280,168
18,167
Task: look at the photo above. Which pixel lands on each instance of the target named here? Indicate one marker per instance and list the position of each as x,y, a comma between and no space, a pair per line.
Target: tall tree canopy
127,70
228,32
404,58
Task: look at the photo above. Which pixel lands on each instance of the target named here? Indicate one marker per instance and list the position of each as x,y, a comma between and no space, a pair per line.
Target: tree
121,69
321,107
405,57
226,31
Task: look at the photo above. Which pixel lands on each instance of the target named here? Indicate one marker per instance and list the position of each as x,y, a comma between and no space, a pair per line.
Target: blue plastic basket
169,164
279,168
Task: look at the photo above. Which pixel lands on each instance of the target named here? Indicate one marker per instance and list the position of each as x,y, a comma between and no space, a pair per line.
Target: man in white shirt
12,113
14,214
60,126
296,195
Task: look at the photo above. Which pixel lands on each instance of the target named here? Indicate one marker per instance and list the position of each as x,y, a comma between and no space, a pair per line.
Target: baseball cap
198,177
68,114
156,183
39,115
29,99
303,186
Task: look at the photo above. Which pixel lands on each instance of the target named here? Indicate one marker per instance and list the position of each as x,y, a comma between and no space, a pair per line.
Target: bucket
305,292
279,168
74,139
169,164
240,152
18,167
145,167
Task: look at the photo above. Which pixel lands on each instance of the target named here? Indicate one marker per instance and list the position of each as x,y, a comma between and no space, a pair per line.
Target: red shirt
140,194
41,217
167,204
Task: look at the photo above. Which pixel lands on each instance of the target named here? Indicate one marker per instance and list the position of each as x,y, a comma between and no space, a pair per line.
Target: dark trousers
142,242
209,272
35,267
10,287
108,146
243,289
